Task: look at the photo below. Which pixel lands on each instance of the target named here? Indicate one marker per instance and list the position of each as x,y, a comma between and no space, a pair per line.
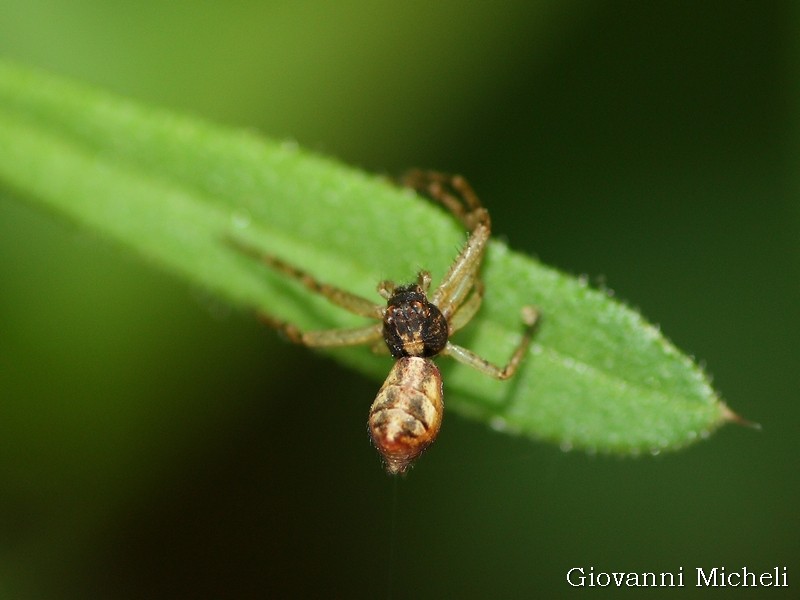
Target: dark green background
155,444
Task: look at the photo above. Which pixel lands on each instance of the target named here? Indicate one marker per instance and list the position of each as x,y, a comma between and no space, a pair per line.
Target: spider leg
326,338
451,191
351,302
454,193
468,309
529,317
461,277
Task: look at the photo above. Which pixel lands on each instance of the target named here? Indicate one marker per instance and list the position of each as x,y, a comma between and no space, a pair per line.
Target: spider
415,325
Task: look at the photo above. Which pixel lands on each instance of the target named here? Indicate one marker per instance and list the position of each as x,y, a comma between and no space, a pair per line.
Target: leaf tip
728,416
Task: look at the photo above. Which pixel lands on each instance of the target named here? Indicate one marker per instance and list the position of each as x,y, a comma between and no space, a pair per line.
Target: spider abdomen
407,413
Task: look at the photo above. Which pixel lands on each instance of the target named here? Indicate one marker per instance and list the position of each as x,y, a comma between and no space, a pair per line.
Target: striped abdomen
407,413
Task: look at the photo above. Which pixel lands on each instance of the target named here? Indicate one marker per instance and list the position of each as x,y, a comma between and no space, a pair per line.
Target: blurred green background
154,443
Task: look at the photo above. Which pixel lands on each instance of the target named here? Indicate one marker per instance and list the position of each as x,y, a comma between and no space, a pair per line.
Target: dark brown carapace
407,413
412,326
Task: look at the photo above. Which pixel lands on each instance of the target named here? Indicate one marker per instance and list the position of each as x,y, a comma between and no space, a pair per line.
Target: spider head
412,326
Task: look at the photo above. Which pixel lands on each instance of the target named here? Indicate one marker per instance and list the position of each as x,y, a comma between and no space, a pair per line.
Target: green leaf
172,188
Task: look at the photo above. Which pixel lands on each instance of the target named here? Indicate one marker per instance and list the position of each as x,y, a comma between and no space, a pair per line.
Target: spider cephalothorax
412,326
415,326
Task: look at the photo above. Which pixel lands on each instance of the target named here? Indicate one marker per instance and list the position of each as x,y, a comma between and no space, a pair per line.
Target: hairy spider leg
462,275
347,300
530,316
453,192
468,309
369,334
325,338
